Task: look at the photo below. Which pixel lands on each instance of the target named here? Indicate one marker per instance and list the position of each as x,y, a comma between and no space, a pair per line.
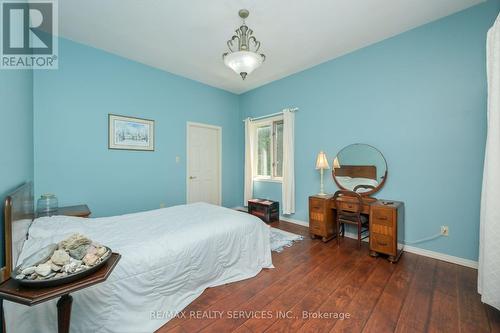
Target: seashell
51,275
79,252
74,241
28,270
20,276
92,250
43,270
101,251
72,266
55,268
90,259
75,261
60,257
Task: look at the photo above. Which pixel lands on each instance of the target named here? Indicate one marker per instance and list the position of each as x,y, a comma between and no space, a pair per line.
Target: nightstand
76,211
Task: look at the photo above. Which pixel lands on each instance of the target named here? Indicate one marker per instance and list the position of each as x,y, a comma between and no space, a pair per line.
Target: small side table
12,291
76,211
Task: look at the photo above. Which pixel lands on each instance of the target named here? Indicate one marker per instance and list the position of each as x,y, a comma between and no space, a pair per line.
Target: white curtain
249,160
288,185
489,236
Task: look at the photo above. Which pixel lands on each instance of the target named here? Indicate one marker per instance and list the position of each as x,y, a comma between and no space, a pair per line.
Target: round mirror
360,168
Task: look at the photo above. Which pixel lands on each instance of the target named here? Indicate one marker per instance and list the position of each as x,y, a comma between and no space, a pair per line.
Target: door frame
190,124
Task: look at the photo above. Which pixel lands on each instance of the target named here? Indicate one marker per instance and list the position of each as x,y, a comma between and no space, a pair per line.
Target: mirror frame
368,193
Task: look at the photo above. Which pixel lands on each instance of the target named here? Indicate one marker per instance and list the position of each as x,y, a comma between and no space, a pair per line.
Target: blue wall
420,98
16,134
72,158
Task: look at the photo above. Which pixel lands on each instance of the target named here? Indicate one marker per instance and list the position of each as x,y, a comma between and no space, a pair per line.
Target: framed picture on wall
129,133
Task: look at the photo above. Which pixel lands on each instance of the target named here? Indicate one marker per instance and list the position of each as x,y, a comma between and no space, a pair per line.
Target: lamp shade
243,62
336,164
322,161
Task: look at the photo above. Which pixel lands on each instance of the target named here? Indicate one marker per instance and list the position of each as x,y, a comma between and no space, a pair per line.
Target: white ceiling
188,37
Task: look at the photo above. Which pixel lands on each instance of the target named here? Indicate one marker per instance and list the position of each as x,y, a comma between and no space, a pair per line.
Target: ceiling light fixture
244,56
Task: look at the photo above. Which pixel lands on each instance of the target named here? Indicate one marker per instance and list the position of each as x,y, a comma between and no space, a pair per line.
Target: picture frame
130,133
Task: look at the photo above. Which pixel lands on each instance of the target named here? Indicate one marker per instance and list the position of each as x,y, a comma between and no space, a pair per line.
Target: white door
203,163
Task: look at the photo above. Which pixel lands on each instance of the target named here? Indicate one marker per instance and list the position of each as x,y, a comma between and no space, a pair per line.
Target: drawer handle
382,218
382,243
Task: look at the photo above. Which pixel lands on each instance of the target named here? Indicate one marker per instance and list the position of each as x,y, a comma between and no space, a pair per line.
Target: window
269,145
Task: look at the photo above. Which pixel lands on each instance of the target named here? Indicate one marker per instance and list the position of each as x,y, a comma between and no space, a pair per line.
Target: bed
169,257
357,178
357,184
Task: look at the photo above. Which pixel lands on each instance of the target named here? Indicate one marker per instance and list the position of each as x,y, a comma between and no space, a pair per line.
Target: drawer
382,243
381,229
316,205
317,228
353,207
317,216
317,210
350,207
383,216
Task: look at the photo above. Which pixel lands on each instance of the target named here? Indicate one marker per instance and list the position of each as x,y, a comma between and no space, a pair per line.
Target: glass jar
47,204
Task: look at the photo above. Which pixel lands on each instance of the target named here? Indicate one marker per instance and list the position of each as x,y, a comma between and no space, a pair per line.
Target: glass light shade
322,161
243,62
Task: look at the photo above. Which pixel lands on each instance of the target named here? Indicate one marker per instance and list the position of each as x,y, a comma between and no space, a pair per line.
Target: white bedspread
350,183
169,256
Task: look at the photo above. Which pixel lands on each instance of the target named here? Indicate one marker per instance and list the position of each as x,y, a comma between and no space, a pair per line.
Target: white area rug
281,239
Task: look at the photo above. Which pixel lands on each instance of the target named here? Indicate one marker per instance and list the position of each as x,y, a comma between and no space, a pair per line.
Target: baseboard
294,221
441,256
407,248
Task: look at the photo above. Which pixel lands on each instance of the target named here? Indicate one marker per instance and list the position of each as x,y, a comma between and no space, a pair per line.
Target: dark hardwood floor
417,294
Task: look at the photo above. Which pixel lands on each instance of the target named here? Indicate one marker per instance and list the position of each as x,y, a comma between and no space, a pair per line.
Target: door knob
192,177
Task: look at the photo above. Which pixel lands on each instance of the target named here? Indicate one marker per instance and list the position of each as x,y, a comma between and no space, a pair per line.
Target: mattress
169,257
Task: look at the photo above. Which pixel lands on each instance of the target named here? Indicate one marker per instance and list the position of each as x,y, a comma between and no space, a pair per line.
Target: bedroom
409,79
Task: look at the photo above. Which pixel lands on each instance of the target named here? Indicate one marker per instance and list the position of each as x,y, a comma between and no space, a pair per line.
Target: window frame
272,122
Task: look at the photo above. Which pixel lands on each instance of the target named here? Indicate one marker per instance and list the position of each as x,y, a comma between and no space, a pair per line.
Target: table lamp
322,164
336,164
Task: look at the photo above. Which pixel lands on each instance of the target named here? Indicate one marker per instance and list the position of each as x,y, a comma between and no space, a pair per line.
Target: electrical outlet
444,230
162,205
177,159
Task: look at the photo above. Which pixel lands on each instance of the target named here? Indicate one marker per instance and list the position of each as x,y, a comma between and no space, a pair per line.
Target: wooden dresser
386,222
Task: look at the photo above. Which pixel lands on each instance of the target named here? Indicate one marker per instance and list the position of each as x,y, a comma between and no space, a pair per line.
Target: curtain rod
272,114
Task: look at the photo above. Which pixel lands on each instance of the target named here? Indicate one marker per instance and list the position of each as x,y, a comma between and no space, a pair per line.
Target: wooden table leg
64,313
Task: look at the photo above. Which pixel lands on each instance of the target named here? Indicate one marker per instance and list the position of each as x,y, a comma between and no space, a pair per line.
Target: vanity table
361,169
386,222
